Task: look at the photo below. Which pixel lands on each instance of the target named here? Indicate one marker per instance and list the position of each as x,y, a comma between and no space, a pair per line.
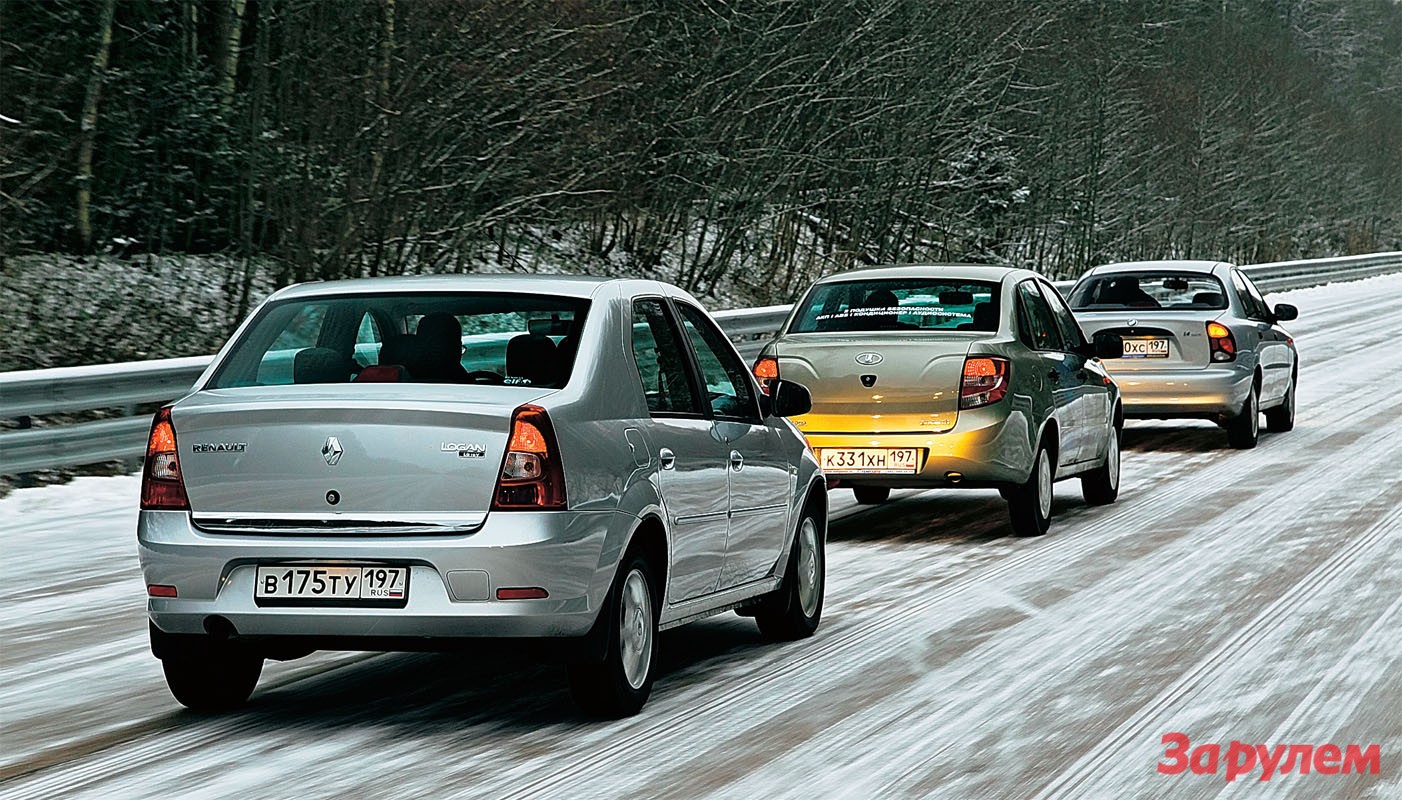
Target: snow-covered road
1253,596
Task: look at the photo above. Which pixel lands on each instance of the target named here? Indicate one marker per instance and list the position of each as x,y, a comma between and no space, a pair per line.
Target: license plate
1146,348
300,584
888,460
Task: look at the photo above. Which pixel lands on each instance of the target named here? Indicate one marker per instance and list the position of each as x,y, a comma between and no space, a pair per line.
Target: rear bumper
558,551
986,445
1218,390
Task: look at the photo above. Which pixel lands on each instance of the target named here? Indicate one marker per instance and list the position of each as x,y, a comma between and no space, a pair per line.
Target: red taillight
531,474
160,590
985,381
766,372
162,488
1221,342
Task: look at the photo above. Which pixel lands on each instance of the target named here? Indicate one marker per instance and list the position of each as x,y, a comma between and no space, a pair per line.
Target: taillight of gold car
985,381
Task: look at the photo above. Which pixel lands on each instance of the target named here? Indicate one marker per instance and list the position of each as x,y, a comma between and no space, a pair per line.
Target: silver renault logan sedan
1200,342
952,376
423,463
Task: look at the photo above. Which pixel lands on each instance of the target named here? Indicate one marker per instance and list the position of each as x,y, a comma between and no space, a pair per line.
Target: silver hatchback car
1200,342
419,463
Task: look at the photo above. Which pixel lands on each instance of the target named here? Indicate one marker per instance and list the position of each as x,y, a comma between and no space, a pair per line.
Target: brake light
532,477
985,382
766,372
1221,342
162,488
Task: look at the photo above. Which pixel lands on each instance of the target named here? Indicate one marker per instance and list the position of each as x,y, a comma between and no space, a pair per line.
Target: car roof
1160,266
968,272
581,286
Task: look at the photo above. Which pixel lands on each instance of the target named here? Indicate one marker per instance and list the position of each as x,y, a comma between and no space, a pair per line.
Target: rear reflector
522,593
766,372
160,590
985,381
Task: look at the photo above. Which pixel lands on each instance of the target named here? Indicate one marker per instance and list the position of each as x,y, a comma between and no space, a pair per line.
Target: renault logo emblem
332,450
869,359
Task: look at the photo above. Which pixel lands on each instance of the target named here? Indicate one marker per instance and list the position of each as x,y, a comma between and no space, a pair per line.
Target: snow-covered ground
1229,595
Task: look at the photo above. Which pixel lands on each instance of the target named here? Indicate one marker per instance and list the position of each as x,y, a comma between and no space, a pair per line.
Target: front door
761,481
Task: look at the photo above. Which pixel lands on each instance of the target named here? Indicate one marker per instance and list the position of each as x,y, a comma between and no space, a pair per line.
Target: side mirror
1108,345
1285,312
789,399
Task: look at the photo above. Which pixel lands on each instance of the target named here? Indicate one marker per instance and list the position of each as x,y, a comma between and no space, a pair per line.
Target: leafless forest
710,142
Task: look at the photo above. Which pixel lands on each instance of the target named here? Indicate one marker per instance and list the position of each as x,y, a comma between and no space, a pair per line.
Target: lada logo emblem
869,359
1133,322
332,450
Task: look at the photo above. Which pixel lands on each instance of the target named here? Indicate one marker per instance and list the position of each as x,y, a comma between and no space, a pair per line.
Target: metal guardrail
53,391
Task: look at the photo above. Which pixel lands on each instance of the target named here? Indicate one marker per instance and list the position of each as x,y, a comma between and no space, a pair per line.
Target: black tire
1029,504
871,495
1101,486
211,676
796,608
1244,430
1282,418
620,685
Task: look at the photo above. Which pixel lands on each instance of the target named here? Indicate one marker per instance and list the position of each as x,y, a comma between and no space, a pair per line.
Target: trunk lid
364,457
1186,333
914,385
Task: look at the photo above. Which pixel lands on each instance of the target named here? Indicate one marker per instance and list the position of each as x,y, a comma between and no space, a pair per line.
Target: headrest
534,358
321,365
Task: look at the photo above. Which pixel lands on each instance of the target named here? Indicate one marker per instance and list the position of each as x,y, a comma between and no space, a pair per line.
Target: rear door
693,456
761,480
1038,329
1093,395
1273,344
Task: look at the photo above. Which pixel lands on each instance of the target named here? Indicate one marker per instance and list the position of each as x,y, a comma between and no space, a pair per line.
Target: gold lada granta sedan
952,376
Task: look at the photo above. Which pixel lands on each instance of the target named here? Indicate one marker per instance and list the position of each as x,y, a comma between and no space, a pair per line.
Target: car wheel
1101,486
793,612
1282,418
210,676
1029,504
871,495
1244,429
620,684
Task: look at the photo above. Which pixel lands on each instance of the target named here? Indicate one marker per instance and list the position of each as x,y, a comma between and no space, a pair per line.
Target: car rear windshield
1149,291
480,338
909,304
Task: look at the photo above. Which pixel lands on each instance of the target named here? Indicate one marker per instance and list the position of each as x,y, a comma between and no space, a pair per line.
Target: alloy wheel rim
635,629
1044,492
808,579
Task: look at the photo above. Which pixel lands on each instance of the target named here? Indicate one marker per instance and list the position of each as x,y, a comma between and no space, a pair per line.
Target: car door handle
667,458
737,461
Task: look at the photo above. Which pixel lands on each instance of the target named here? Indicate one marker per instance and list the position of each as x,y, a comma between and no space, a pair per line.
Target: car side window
1066,323
1264,308
660,354
727,381
1036,325
1254,306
